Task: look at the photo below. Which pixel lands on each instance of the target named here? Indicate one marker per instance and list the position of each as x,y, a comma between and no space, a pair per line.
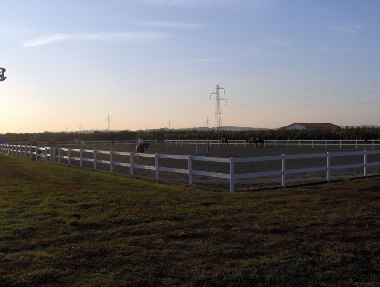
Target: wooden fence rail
70,155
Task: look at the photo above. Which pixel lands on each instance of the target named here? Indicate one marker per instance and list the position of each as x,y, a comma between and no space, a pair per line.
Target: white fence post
365,161
328,165
81,157
36,152
94,159
232,174
59,154
45,153
190,169
156,166
131,157
69,156
111,160
283,170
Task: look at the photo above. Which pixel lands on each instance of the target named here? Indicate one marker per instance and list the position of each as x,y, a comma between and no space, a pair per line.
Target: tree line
349,133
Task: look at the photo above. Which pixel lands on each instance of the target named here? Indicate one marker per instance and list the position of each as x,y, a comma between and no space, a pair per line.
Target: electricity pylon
218,110
109,121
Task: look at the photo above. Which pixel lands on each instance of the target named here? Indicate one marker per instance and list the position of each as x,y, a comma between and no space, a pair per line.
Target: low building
311,126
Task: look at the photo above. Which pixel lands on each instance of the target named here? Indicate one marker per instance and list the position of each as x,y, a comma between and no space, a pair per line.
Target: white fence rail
69,155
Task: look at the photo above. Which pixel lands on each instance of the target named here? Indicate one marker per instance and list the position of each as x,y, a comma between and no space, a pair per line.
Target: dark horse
224,140
141,148
255,141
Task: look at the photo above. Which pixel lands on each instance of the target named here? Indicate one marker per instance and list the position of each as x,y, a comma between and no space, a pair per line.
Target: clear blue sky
70,63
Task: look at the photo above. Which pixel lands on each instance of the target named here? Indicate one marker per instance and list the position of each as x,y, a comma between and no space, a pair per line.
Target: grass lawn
62,226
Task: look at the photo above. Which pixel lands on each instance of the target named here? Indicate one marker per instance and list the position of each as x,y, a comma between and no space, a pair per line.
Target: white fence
286,143
69,155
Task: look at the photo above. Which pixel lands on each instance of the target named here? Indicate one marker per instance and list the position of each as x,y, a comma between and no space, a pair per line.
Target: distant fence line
359,143
285,143
70,155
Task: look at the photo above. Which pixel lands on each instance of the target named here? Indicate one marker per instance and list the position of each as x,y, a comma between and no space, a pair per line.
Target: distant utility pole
2,74
218,110
109,121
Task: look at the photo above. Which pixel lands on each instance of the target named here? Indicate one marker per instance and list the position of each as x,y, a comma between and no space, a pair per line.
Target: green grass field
62,226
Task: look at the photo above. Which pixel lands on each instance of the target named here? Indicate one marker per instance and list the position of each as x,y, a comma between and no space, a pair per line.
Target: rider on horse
141,146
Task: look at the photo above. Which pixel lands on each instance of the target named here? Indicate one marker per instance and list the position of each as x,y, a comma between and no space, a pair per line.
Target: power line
309,90
342,104
313,96
319,105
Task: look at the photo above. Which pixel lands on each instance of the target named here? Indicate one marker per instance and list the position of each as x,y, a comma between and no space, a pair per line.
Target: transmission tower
109,121
218,110
207,122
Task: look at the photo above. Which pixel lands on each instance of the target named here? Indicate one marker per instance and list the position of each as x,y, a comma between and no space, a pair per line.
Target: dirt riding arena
221,151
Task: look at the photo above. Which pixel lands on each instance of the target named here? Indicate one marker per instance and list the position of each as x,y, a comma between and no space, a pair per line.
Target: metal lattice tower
109,121
218,110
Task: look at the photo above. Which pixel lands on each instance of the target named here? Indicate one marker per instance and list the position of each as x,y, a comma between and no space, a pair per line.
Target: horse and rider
224,140
141,146
255,141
